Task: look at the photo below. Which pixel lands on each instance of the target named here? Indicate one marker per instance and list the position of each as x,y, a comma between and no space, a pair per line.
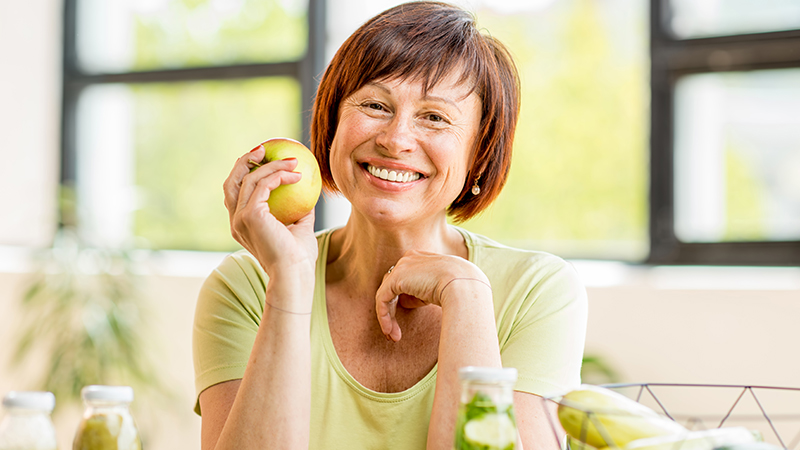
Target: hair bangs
416,50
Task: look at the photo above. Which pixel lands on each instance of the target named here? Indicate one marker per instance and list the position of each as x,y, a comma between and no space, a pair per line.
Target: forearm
272,406
468,338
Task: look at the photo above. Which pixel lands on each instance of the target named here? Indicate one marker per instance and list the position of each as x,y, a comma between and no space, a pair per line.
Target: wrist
465,287
300,272
290,292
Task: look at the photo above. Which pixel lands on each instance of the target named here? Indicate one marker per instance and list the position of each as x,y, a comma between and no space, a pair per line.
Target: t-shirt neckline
320,317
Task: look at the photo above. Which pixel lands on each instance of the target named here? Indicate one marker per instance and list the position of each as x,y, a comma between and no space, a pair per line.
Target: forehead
452,86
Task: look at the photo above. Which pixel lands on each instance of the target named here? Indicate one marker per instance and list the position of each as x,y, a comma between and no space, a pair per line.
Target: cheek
349,134
335,158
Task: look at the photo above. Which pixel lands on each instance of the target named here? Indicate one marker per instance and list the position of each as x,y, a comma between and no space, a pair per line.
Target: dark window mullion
699,56
662,234
312,68
69,100
286,69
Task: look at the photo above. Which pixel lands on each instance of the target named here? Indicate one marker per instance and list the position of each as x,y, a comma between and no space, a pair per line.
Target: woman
353,338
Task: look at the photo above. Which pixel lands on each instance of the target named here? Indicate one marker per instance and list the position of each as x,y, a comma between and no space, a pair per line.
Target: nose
398,135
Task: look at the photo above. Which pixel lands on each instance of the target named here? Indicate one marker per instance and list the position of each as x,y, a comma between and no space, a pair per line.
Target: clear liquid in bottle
26,424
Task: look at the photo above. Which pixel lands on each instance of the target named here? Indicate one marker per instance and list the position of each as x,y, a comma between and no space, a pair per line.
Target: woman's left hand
419,279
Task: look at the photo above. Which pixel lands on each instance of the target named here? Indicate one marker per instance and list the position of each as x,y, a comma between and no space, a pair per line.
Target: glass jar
486,418
27,424
107,423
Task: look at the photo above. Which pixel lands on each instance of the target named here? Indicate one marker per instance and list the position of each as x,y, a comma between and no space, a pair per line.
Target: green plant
83,314
597,370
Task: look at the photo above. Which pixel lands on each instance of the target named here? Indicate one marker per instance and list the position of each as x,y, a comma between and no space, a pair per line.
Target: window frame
671,58
74,80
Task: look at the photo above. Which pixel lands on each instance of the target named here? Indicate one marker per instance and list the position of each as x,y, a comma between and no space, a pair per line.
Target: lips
394,175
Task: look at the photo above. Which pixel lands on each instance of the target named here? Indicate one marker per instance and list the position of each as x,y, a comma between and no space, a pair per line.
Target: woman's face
401,154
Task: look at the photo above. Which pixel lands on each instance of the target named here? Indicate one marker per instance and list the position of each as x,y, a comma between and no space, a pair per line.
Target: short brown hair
425,40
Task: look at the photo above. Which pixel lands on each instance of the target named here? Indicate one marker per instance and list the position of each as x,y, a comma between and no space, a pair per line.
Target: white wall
29,114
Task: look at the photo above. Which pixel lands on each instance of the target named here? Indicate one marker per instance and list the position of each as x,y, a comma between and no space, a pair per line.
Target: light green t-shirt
540,308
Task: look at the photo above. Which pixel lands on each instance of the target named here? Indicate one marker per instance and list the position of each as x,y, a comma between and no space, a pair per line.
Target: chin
390,214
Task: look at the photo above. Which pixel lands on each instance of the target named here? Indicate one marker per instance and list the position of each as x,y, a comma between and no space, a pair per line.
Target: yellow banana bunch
696,440
601,417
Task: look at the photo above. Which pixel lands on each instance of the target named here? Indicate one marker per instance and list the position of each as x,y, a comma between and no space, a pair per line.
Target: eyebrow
383,87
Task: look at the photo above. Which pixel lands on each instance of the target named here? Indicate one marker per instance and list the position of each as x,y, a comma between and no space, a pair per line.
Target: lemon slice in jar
491,431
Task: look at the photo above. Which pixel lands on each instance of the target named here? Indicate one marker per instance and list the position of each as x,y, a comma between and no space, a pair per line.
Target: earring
475,188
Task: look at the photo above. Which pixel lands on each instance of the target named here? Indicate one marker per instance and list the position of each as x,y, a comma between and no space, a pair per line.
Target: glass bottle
107,423
486,419
27,424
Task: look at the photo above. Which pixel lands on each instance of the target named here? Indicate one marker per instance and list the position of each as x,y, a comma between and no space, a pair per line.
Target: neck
362,252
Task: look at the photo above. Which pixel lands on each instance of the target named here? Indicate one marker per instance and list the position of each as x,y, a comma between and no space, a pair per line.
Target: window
725,132
161,96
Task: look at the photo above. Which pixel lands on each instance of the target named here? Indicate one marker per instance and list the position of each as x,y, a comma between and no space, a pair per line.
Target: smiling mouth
397,176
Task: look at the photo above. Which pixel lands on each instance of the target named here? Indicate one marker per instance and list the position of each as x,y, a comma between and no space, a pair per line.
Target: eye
435,118
375,106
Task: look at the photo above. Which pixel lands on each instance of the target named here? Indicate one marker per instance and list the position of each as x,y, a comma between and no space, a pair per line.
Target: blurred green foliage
596,369
578,181
744,193
190,33
188,135
84,315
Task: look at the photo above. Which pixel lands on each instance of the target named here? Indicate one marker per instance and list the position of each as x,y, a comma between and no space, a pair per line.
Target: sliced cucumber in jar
491,431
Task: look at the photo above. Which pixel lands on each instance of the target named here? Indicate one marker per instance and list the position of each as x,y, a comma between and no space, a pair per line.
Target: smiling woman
353,337
485,68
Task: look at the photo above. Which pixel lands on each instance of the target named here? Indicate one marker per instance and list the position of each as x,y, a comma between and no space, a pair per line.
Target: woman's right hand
270,406
277,247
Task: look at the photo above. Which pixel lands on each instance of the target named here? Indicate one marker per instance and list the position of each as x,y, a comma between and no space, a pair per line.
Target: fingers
249,184
419,279
240,169
257,185
386,311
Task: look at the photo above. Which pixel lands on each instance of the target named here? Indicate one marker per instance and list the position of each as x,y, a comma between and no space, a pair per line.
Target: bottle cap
488,374
34,400
119,394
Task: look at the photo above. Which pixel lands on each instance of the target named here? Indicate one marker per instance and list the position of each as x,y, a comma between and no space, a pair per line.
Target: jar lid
36,400
488,374
121,394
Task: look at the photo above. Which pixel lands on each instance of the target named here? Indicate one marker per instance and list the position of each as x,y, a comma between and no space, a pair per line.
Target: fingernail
257,147
290,159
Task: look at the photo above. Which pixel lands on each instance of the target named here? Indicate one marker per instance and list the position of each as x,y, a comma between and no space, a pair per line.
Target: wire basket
772,412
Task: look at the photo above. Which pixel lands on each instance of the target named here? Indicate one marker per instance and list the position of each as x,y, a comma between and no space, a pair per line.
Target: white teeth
392,175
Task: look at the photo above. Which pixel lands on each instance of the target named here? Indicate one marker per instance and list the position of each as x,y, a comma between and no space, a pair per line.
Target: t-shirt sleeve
542,325
229,309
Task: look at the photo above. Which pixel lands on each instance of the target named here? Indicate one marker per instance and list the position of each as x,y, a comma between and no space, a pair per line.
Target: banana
601,417
750,446
696,440
574,444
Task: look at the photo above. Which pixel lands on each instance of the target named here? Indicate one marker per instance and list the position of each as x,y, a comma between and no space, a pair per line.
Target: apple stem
257,164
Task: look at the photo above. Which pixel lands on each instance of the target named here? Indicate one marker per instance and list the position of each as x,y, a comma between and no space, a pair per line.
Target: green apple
290,202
